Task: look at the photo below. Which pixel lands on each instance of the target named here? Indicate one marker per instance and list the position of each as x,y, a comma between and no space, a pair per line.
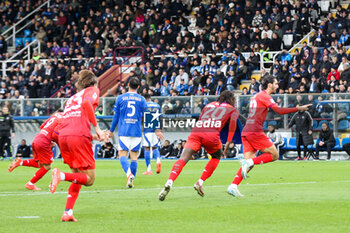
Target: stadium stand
201,38
210,45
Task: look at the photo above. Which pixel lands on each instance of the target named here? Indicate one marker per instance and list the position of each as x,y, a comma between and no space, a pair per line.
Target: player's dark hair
86,79
147,96
227,97
134,83
266,80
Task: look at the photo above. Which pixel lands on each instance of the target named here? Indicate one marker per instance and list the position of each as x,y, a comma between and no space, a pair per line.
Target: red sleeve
43,124
233,124
329,77
283,111
87,106
92,94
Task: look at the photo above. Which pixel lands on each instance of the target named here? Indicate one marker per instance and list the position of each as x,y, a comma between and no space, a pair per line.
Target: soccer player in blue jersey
128,112
152,134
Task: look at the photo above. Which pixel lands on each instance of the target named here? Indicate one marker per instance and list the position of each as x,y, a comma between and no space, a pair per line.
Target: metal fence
194,104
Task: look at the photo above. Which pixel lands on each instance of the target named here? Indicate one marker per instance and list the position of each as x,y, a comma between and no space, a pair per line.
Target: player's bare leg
43,169
270,154
73,193
233,188
175,172
208,171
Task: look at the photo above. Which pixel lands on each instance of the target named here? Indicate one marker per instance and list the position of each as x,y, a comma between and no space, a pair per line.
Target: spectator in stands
178,150
254,85
3,46
303,126
167,149
254,27
107,151
326,140
23,150
233,150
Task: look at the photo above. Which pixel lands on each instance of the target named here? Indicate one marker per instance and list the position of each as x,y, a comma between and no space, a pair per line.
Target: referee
6,125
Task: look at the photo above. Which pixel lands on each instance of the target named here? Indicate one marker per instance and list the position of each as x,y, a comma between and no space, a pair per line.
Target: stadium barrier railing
176,106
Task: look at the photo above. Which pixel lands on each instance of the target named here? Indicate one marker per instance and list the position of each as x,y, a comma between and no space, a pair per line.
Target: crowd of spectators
73,32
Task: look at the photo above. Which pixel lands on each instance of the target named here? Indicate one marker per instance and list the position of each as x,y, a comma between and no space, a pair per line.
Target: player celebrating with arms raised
218,113
75,140
152,135
253,137
128,112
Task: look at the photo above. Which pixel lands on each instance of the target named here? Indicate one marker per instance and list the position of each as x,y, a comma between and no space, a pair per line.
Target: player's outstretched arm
283,111
232,130
304,107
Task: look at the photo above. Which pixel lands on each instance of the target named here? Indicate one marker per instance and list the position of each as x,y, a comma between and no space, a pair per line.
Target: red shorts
77,152
41,147
211,143
255,141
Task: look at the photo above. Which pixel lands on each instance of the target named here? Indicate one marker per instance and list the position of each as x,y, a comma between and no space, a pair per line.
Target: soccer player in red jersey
216,115
253,137
42,152
75,140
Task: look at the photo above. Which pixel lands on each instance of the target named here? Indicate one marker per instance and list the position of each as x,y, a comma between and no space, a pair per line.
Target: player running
42,153
217,115
128,112
152,135
75,140
253,137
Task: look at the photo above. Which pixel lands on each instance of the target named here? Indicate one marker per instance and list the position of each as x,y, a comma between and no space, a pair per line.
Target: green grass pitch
279,197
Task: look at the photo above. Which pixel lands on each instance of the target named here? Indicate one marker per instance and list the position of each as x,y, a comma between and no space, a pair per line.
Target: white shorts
150,140
129,143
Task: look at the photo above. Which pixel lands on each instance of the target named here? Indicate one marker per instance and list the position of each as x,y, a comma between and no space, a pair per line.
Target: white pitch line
7,194
31,217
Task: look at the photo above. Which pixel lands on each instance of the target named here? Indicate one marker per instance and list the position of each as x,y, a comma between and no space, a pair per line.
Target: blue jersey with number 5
128,112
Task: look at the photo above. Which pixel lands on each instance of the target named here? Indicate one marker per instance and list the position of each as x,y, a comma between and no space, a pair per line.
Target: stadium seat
97,148
288,40
330,125
343,125
336,147
337,144
265,125
18,42
292,144
25,40
274,123
345,141
314,124
27,33
285,146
